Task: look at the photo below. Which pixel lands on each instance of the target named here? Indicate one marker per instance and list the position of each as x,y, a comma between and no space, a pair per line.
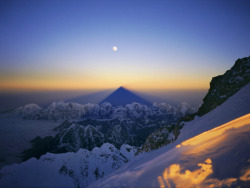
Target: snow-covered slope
68,169
78,136
218,157
236,106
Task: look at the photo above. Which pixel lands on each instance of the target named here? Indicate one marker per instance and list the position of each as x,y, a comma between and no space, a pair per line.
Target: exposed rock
224,86
78,136
157,139
221,88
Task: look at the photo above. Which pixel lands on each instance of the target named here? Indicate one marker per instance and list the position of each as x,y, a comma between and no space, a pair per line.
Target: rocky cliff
224,86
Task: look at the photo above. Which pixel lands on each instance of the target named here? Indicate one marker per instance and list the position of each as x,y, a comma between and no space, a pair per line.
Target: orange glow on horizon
76,81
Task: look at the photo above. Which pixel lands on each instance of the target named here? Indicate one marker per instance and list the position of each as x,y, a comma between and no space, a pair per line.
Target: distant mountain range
73,111
218,159
89,126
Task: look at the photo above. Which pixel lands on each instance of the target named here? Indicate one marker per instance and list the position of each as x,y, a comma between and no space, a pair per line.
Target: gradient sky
161,44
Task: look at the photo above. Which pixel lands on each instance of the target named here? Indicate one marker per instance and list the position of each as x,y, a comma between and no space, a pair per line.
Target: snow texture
219,160
71,111
67,169
178,164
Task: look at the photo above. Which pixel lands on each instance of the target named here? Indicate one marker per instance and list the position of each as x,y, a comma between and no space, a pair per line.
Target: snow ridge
70,111
67,169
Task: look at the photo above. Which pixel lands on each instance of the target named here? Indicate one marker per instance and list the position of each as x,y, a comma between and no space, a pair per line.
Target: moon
114,48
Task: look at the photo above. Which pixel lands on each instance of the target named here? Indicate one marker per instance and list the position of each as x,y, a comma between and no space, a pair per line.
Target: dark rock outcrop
221,88
224,86
157,139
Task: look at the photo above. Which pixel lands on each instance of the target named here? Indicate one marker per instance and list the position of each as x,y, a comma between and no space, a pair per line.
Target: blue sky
161,44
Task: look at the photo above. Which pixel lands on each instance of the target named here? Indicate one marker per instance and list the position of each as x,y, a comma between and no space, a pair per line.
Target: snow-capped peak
67,169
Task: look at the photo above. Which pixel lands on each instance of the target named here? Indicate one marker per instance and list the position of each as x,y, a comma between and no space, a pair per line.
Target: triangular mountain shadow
122,96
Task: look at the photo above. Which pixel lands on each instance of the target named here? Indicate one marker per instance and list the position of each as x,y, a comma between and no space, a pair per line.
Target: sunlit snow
212,150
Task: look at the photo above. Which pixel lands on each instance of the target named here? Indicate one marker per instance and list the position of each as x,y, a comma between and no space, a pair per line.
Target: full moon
114,48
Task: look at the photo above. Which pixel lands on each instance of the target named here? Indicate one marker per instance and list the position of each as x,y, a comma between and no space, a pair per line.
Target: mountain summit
122,96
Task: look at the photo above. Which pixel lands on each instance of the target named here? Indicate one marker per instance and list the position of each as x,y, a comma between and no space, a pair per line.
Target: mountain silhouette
122,96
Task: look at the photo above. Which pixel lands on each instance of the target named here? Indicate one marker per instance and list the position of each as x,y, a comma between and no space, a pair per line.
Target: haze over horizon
10,100
161,45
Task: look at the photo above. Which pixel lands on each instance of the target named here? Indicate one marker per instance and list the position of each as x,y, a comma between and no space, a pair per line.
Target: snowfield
67,169
218,156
